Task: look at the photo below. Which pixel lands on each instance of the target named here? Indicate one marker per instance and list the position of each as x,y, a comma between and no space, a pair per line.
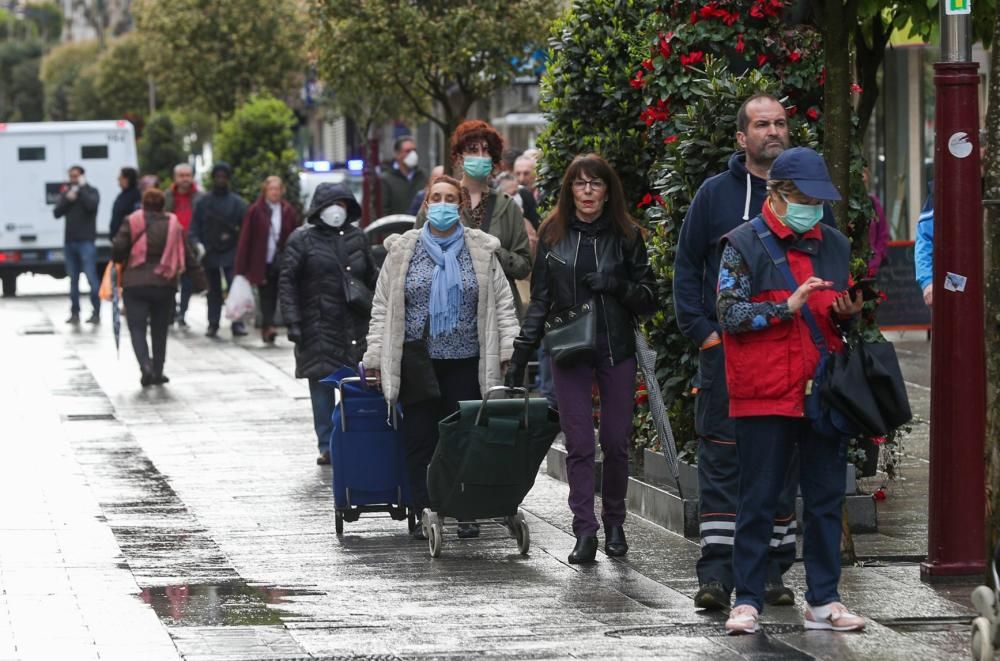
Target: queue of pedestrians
759,287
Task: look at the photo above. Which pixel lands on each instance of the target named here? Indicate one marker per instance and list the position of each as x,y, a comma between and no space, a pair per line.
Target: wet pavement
190,521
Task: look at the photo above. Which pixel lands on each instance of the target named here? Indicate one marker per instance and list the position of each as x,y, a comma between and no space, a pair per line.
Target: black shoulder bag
357,295
417,379
859,391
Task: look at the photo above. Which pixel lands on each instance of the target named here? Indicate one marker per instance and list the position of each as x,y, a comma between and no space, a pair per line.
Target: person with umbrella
150,245
590,281
324,261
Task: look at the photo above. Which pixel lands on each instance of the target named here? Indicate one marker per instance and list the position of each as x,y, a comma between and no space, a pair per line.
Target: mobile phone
867,288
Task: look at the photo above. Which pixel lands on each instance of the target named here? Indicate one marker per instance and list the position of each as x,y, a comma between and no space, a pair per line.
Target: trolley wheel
510,522
982,640
411,520
521,532
984,601
338,523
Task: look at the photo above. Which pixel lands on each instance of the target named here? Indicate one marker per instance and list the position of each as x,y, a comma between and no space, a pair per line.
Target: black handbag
417,379
357,295
570,335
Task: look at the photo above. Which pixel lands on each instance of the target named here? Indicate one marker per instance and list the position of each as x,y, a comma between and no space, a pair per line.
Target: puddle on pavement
222,604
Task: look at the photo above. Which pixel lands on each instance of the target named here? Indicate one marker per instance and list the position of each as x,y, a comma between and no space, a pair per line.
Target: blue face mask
801,218
442,215
477,167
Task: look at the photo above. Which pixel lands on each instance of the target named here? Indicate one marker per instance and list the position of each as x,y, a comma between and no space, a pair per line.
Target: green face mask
801,218
477,167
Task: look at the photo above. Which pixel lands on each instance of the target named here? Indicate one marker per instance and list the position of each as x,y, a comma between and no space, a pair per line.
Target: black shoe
160,379
239,330
585,550
147,379
614,542
94,318
468,530
212,331
323,459
73,319
776,594
712,596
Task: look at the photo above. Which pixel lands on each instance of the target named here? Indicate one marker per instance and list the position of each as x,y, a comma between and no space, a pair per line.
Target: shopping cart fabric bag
488,455
366,446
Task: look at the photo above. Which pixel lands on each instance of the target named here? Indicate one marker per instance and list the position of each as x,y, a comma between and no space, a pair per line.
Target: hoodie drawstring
746,205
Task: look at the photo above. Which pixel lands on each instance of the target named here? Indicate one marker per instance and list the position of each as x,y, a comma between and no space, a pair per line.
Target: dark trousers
214,276
616,385
322,397
458,380
187,288
150,306
718,483
766,446
81,257
268,292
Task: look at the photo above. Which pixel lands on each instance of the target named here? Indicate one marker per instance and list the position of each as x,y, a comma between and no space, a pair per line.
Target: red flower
692,58
883,297
637,82
756,12
794,56
879,495
813,113
659,199
709,10
878,440
821,78
761,59
670,139
856,89
647,199
665,44
647,64
791,110
694,17
655,113
740,46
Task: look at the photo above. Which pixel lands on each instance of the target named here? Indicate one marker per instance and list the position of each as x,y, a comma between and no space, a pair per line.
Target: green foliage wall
257,142
160,147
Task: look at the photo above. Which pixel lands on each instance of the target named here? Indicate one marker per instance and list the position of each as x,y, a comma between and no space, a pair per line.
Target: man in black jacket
215,228
78,204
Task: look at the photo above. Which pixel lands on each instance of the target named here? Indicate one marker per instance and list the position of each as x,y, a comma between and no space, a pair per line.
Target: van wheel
9,285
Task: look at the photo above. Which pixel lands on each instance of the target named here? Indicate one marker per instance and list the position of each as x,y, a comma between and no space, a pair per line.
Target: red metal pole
957,499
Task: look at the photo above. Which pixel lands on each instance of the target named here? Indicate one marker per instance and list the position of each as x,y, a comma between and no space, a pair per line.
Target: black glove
295,333
515,375
598,283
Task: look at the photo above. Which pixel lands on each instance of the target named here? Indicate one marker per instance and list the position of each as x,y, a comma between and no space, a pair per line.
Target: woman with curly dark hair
591,267
476,149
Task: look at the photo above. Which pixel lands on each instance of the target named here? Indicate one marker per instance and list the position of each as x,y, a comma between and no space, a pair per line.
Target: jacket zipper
576,256
604,308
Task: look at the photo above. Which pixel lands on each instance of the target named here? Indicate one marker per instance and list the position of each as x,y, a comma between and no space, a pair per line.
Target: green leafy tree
257,141
212,56
160,148
120,83
991,196
61,71
437,57
20,90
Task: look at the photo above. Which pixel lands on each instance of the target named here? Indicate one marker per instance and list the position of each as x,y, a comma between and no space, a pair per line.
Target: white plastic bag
239,301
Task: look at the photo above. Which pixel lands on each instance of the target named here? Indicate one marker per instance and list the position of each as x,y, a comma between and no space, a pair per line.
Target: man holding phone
78,204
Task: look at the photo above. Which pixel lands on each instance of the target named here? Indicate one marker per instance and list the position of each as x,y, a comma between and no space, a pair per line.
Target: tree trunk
869,61
840,18
991,237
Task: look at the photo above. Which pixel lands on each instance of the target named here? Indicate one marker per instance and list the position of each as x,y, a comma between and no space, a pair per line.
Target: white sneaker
742,619
833,617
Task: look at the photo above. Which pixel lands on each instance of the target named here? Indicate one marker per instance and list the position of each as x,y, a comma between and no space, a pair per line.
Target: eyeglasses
595,185
477,150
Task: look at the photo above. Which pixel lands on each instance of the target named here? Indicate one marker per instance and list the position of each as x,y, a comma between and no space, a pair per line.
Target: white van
34,160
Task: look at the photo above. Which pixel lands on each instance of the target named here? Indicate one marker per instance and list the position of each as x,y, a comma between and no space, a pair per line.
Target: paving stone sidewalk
190,521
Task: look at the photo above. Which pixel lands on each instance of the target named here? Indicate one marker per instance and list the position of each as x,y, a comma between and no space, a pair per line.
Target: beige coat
497,323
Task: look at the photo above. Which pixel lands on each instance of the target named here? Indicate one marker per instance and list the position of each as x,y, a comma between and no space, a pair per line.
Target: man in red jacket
181,197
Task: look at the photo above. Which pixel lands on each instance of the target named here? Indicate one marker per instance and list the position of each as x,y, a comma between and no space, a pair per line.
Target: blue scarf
446,283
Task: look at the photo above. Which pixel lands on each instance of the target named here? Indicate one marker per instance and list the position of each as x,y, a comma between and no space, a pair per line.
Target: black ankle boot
584,551
614,541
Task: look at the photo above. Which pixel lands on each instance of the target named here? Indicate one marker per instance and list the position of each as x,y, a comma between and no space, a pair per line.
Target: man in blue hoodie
720,205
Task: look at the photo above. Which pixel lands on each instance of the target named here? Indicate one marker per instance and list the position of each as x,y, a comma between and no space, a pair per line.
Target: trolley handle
495,389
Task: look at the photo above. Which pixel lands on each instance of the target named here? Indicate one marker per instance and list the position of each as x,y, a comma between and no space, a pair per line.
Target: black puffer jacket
311,292
557,283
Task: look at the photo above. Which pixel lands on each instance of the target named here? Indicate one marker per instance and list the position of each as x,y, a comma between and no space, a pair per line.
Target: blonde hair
270,180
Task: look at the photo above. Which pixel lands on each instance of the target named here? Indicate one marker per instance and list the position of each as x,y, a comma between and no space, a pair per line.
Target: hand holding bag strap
780,262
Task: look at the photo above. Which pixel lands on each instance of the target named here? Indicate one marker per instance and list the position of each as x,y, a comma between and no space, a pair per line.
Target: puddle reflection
222,604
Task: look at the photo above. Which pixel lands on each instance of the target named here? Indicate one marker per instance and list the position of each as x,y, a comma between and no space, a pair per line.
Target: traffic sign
954,7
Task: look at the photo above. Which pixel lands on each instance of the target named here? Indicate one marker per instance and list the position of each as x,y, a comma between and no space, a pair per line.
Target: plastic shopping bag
104,292
239,301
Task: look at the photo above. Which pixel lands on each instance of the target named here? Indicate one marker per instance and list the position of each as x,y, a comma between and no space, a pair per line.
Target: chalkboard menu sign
904,308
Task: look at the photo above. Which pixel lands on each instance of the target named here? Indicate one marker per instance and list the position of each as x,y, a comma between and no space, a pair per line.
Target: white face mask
411,159
333,215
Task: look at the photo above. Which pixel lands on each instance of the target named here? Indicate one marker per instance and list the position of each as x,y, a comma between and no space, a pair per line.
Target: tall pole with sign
957,502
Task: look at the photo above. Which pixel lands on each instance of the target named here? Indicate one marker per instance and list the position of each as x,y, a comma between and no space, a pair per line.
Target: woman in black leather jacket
591,251
328,334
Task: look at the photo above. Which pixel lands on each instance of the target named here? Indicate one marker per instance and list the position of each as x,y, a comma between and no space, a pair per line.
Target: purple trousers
616,384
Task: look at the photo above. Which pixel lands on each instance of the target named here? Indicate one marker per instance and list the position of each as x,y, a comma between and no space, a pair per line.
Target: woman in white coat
442,295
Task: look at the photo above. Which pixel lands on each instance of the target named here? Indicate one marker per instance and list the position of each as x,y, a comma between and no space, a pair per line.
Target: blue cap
808,170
